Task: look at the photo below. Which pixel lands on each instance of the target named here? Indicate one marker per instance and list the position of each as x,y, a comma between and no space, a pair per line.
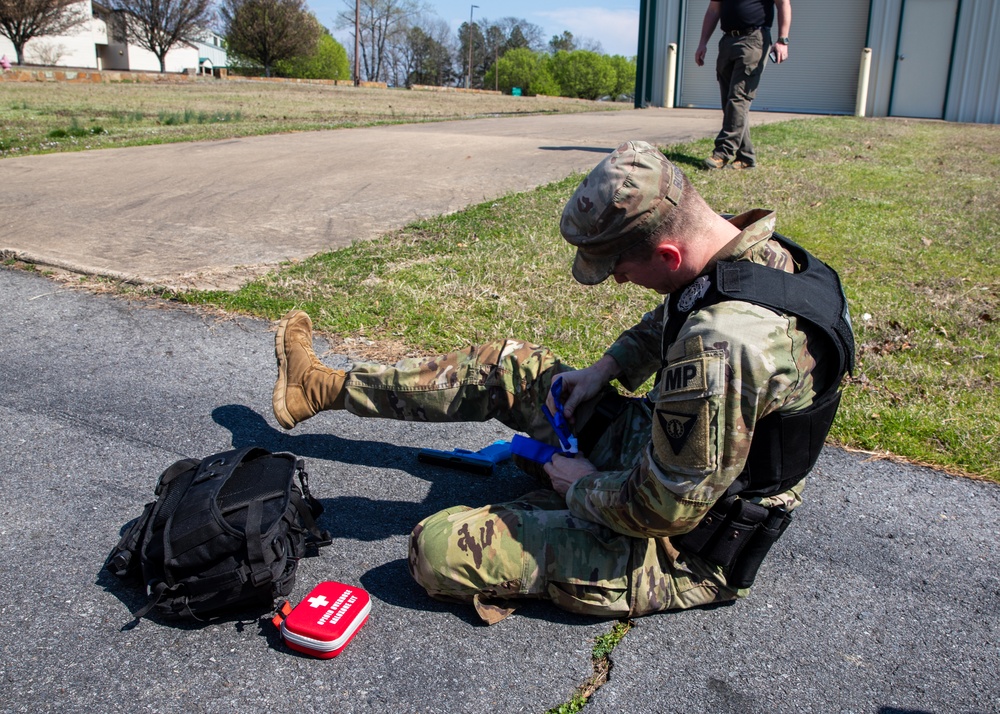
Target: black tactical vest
785,445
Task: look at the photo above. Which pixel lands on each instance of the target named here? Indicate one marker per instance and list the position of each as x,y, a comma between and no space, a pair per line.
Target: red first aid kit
326,620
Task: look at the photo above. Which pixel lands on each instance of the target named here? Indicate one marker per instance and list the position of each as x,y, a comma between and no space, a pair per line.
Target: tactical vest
785,445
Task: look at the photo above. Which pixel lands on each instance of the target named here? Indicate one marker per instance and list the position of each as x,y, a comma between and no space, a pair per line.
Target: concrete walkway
210,214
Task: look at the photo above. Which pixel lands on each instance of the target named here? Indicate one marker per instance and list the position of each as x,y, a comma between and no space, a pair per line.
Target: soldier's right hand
583,384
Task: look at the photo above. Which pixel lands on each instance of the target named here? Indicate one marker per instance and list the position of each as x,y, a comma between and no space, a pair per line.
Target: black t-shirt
744,14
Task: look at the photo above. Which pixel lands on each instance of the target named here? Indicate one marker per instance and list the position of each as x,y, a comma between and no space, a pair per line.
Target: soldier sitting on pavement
676,496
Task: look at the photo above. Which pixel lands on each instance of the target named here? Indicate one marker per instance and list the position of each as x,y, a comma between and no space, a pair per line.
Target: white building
926,58
101,43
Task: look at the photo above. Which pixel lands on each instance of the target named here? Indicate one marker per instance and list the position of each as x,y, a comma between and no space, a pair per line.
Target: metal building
937,59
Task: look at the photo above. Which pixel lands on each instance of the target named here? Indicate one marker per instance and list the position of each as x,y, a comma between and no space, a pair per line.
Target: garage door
820,76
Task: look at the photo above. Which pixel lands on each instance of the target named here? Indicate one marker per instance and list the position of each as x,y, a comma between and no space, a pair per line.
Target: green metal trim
640,56
868,28
951,60
650,42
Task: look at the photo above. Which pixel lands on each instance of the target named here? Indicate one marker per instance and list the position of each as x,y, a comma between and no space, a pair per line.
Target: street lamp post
468,76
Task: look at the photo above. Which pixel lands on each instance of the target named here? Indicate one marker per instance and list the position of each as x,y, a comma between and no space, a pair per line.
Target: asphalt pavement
883,597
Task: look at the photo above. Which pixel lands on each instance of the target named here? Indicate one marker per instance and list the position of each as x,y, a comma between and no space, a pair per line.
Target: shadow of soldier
359,518
366,519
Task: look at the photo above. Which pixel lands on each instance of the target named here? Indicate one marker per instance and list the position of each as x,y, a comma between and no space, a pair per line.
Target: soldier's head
622,214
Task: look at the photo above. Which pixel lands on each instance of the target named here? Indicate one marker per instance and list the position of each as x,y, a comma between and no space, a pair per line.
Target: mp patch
684,376
676,427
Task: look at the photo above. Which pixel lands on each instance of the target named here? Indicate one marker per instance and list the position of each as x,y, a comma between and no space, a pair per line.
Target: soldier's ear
670,254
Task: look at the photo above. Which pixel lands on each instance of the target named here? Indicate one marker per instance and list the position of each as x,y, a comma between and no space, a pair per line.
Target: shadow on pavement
392,583
366,519
686,160
593,149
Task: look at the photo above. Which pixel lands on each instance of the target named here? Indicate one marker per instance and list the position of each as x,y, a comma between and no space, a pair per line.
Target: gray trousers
739,67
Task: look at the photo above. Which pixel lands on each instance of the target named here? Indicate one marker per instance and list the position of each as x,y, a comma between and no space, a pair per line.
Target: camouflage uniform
605,549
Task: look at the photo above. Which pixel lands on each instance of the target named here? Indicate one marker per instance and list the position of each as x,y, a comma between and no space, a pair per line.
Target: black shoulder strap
785,446
814,294
223,464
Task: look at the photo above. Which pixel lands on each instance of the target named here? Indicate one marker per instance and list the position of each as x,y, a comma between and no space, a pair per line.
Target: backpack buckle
260,578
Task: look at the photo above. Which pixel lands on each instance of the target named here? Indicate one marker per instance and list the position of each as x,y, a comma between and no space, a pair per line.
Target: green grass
908,212
601,657
33,115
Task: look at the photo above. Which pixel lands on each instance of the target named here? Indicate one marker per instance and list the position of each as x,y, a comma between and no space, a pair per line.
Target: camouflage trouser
532,547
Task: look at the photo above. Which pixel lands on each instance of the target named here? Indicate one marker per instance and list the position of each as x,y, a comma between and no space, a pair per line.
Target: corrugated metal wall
974,78
664,30
974,87
973,93
821,75
883,30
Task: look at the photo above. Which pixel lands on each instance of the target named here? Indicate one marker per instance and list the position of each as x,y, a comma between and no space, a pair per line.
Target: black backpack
225,533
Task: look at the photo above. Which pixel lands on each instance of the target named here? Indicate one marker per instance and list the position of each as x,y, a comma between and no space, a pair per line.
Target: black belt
741,33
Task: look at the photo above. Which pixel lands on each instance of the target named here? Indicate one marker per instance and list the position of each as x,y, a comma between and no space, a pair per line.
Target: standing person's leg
724,150
753,60
738,69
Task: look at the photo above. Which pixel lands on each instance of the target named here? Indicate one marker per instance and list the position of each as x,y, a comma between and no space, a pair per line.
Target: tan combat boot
305,385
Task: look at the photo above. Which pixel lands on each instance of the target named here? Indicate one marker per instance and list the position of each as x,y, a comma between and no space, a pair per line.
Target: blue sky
613,23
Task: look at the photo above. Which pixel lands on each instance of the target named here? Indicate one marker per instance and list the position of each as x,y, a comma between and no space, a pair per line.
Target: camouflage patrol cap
620,203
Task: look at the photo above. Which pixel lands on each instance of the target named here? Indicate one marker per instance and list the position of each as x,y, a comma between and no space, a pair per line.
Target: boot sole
281,412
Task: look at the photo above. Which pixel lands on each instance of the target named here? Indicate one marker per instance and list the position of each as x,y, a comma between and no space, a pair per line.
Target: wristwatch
782,40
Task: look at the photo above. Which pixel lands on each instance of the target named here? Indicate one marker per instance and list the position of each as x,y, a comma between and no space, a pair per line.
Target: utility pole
468,76
357,43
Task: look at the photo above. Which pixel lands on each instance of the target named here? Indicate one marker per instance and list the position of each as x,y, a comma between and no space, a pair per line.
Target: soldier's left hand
564,471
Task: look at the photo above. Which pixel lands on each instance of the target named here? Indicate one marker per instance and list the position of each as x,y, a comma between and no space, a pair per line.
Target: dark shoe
741,165
305,386
714,162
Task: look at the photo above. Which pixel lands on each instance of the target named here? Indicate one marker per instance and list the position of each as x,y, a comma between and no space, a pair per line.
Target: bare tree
268,31
160,25
383,25
48,53
22,20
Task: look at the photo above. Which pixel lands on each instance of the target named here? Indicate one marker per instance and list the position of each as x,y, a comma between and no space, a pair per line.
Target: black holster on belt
736,535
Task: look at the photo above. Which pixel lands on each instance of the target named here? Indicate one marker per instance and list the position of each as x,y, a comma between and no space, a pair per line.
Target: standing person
743,51
750,345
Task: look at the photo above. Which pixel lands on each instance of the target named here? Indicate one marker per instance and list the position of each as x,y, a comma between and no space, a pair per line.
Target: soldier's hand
563,471
583,384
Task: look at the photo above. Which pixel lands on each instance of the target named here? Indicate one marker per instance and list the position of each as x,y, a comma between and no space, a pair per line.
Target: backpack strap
309,509
173,471
223,464
260,575
122,561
